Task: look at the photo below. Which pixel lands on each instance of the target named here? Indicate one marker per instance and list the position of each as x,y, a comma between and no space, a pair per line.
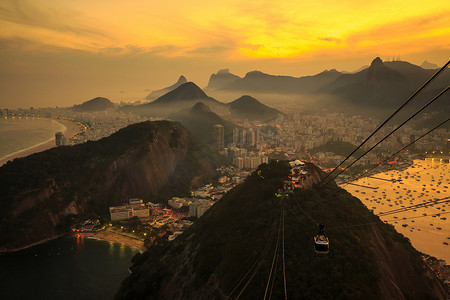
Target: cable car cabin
321,243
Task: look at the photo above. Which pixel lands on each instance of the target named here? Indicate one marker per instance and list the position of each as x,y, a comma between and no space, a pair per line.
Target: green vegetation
37,190
213,255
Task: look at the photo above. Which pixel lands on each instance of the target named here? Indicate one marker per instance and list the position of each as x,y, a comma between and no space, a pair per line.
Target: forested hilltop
149,160
229,252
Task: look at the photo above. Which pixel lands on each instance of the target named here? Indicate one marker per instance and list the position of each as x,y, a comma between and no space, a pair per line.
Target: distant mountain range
154,161
380,85
93,105
184,96
158,93
189,94
387,85
257,81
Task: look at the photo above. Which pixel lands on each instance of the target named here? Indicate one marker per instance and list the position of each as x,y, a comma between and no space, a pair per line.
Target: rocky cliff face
150,160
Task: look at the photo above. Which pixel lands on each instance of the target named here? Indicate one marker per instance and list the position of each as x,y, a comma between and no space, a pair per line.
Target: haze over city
64,52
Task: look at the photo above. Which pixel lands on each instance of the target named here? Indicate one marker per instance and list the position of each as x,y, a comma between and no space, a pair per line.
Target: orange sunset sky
61,52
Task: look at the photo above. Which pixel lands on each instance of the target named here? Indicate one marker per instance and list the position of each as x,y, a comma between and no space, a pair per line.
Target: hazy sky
61,52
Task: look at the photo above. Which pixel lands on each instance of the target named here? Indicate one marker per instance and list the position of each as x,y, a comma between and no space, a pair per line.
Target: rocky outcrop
150,160
221,79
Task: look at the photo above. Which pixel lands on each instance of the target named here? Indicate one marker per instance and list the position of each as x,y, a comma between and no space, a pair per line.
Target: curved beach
111,236
71,129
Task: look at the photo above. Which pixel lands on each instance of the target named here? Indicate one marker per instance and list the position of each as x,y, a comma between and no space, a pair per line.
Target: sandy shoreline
104,235
72,128
428,228
109,236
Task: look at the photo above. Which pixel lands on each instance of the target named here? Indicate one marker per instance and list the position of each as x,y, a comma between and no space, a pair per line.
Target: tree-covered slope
149,160
229,252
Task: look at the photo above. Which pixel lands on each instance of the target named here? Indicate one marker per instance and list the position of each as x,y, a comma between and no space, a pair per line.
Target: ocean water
19,134
66,268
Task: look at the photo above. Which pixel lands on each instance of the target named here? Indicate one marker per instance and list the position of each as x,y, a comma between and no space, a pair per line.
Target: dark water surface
66,268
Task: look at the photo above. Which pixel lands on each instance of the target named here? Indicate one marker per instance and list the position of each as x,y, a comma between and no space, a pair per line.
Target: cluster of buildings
195,205
247,137
244,159
298,134
135,208
203,198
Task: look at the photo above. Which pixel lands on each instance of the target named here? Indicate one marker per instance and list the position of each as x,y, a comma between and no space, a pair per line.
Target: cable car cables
390,117
392,132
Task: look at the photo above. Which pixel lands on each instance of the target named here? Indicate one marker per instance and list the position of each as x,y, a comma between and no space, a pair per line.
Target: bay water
65,268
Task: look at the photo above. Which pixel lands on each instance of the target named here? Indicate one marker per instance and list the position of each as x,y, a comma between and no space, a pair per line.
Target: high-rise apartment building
218,137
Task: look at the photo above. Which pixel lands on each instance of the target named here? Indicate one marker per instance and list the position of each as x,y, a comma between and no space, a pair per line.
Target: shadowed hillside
200,120
229,252
96,104
386,85
149,160
247,107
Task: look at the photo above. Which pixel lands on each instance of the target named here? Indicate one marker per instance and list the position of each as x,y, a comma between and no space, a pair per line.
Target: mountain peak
247,99
186,91
181,80
96,104
377,62
158,93
221,79
255,73
223,71
191,90
378,72
428,65
247,107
